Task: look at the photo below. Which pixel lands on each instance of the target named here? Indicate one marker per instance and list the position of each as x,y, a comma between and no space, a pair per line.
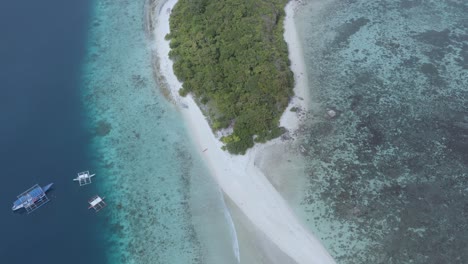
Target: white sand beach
238,176
290,120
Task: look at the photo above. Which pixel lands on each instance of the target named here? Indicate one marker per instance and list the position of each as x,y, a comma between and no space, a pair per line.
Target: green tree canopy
231,55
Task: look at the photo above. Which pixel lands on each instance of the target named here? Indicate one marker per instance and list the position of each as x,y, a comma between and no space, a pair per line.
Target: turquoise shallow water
388,175
163,206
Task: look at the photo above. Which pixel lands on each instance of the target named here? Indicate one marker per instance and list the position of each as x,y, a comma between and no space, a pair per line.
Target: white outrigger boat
97,203
84,178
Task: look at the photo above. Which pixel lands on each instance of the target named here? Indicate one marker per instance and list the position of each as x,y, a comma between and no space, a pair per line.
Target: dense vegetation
232,56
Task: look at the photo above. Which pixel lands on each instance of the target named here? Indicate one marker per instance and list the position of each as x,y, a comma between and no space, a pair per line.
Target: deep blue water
42,132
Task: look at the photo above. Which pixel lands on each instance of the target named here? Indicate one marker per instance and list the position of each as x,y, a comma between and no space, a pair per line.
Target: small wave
232,231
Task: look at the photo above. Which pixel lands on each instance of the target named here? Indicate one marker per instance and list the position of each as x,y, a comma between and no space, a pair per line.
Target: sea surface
78,93
386,179
43,136
164,206
388,175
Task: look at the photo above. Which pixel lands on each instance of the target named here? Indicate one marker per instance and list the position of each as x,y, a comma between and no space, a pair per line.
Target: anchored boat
32,198
84,178
97,203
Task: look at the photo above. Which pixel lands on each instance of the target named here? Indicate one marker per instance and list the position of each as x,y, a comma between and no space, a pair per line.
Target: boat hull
16,207
19,203
47,187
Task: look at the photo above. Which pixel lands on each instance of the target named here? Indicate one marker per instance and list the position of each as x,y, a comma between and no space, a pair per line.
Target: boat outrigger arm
83,176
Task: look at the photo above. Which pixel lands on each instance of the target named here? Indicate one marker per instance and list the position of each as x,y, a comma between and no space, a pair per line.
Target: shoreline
238,176
291,120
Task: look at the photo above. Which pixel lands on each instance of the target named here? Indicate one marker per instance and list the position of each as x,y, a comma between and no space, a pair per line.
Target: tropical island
266,65
232,56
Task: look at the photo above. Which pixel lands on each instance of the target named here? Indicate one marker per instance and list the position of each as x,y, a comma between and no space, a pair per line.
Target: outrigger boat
32,198
84,178
97,203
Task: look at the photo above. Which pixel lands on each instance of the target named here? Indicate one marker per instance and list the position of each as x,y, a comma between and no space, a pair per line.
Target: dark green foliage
232,55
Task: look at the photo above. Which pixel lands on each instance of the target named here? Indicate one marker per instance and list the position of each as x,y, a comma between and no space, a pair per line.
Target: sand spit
238,176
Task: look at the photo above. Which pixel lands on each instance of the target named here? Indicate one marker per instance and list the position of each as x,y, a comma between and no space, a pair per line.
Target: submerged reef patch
139,145
103,128
388,177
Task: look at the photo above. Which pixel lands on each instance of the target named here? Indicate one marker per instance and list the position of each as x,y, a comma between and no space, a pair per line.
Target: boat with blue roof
32,199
